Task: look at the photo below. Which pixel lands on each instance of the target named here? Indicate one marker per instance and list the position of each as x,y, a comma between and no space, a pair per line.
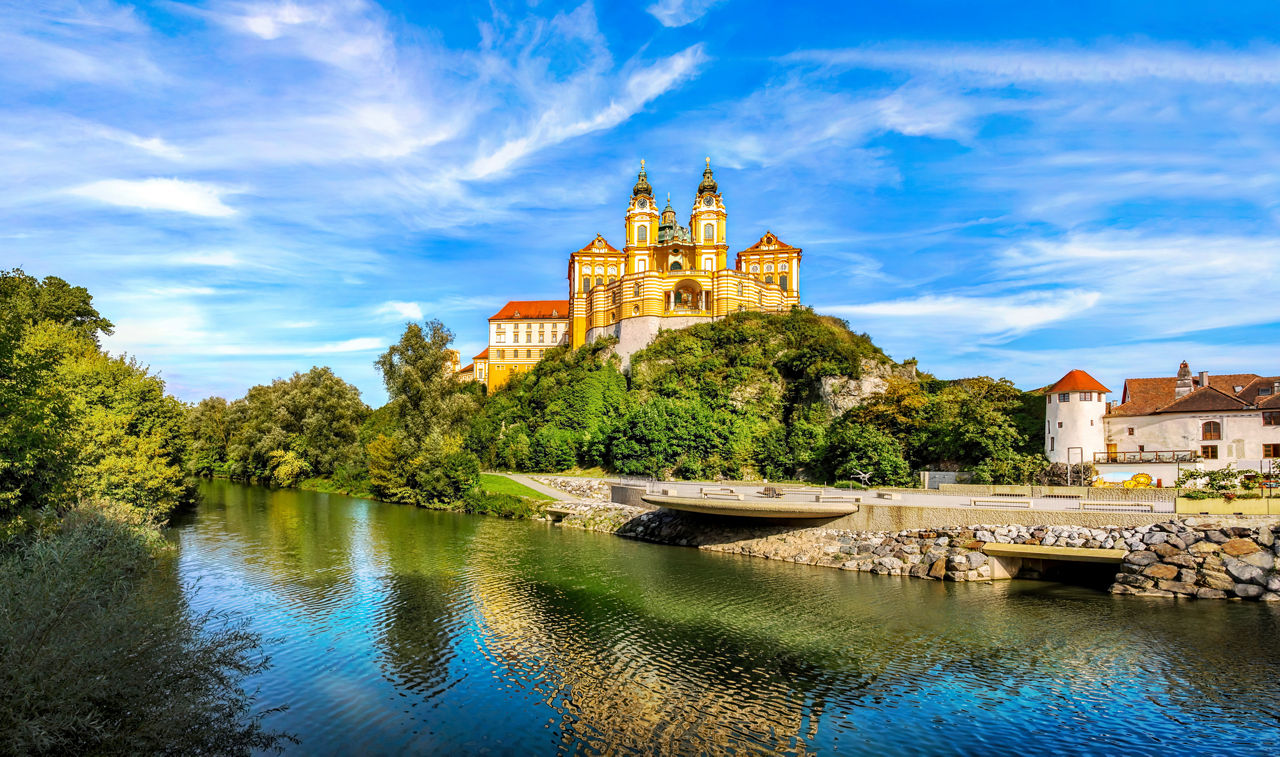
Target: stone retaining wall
953,554
1189,558
1202,559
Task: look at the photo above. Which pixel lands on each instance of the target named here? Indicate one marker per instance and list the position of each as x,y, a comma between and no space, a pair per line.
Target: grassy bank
494,495
493,483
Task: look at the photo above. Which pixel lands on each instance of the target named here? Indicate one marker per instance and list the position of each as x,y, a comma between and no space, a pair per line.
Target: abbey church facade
665,276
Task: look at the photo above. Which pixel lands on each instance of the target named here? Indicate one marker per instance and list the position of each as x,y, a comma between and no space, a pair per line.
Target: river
394,629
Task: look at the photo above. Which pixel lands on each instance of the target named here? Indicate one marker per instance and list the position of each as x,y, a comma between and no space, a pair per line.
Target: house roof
532,310
484,355
471,367
1149,396
1078,381
1204,399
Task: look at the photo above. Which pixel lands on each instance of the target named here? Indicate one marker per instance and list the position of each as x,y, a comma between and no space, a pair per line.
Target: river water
394,629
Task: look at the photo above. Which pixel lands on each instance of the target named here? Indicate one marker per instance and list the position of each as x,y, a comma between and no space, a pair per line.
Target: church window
783,267
612,279
675,265
1211,431
642,234
768,267
613,270
635,309
709,232
641,265
599,280
708,264
755,269
782,282
1209,451
586,283
768,278
599,270
740,288
637,290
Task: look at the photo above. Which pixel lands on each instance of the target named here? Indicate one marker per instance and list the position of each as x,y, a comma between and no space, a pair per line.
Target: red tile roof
532,309
1148,396
1078,381
484,355
471,367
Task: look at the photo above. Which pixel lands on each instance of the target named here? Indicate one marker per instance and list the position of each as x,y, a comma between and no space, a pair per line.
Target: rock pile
582,488
1202,560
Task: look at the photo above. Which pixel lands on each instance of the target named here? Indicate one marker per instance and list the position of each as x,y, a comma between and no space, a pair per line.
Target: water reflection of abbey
670,276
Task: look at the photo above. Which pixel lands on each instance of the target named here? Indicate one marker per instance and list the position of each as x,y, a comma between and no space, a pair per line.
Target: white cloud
997,64
994,318
672,13
177,195
400,310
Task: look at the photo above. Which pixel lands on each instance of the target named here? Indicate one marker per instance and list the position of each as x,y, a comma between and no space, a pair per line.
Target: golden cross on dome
708,161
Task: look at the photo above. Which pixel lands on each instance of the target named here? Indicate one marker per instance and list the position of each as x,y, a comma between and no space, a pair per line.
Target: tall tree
26,299
423,391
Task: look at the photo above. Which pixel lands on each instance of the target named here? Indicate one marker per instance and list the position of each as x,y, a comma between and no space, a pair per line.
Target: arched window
768,267
599,270
586,283
768,278
782,266
675,265
755,269
599,280
612,279
1211,431
642,234
708,233
740,288
613,270
782,282
642,265
637,290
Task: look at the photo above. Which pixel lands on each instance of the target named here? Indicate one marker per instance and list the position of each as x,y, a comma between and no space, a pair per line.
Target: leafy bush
1011,468
99,652
502,505
552,450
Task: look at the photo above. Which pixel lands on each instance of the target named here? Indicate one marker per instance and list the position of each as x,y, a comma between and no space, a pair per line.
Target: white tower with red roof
1074,408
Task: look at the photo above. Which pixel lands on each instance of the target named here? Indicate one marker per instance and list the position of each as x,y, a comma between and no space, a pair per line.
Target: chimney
1204,379
1184,381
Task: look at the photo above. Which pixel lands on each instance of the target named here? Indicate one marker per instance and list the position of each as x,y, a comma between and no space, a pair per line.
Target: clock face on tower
708,202
642,204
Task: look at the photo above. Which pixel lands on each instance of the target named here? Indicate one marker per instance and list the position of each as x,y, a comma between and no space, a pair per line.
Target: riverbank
1192,558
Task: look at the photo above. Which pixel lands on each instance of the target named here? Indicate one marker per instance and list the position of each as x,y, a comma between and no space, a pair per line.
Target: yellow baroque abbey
666,276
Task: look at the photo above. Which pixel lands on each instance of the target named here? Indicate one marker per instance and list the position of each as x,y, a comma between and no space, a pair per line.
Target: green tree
24,299
316,416
552,450
37,416
424,395
858,452
131,436
1011,468
210,432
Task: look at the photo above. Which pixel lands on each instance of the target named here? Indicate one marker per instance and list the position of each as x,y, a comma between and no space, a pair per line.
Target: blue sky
250,188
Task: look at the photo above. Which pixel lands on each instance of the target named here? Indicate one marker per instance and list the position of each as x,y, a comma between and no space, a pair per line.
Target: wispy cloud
987,318
196,198
400,311
673,13
1109,64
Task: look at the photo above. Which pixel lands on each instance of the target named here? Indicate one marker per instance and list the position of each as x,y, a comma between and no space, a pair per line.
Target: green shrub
552,450
502,505
99,652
